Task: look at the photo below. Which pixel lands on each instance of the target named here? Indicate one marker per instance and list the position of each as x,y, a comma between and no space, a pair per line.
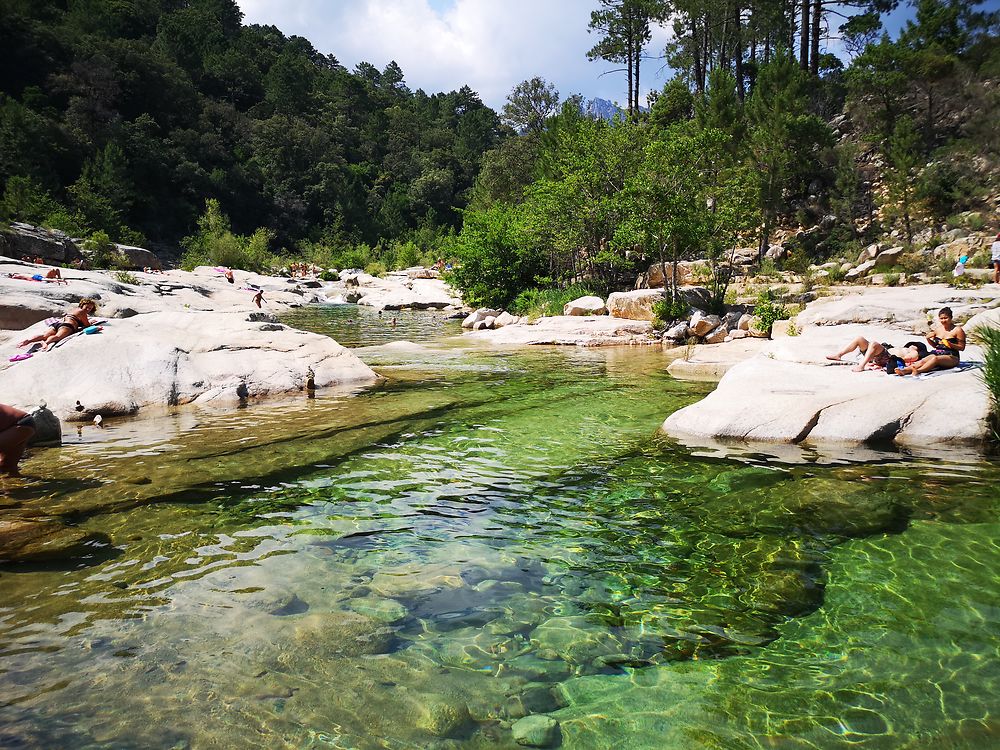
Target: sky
490,45
441,45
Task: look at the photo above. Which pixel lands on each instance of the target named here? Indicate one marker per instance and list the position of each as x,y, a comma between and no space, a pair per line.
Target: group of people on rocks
945,344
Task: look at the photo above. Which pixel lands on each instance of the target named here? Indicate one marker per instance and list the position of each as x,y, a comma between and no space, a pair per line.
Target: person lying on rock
73,322
54,274
947,340
16,429
875,353
882,356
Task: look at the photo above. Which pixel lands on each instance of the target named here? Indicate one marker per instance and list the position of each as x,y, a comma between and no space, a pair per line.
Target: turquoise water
488,536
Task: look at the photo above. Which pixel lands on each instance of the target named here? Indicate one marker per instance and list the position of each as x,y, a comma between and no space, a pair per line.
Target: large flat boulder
790,393
176,357
25,241
634,305
571,330
906,307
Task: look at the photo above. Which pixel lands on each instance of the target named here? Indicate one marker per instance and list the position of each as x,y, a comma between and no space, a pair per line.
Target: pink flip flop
20,357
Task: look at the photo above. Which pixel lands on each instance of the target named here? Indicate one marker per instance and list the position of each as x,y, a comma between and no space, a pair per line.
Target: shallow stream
492,535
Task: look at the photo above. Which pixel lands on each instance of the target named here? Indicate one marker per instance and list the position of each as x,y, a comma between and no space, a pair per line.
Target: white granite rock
791,393
634,305
585,306
167,358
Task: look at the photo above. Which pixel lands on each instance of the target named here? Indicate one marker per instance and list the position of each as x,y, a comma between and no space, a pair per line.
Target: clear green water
490,535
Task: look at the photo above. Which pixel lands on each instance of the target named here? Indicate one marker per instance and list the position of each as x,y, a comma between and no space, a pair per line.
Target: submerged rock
37,540
573,639
344,633
444,717
537,731
383,610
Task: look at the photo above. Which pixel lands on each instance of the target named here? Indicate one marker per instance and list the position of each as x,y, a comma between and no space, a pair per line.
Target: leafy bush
72,224
375,268
668,310
215,244
837,275
767,269
989,339
538,303
102,253
328,275
892,279
767,310
125,277
496,261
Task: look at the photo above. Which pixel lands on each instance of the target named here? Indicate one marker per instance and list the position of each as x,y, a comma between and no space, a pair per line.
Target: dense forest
125,116
166,121
757,130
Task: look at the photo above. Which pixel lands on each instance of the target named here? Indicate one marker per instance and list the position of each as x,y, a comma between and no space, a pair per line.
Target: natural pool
490,535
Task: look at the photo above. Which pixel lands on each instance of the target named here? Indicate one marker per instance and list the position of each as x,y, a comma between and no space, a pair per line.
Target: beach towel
962,367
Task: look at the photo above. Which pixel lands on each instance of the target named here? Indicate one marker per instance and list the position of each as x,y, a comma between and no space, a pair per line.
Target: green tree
624,26
902,152
785,138
530,104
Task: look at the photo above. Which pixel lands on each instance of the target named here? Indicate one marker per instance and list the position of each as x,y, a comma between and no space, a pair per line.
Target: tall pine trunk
804,37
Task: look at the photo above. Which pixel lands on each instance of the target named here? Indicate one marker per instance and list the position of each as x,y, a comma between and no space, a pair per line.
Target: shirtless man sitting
16,429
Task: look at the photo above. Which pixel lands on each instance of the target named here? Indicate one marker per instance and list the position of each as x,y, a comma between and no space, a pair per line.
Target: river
489,535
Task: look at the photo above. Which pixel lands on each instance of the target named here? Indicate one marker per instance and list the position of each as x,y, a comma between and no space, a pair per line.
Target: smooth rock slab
169,358
790,393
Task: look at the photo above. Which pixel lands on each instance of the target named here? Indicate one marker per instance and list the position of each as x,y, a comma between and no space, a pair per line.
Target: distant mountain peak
602,109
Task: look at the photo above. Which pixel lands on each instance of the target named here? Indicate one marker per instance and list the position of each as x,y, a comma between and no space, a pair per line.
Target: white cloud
488,44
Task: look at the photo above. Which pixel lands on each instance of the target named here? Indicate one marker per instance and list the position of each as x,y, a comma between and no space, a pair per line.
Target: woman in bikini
73,322
947,341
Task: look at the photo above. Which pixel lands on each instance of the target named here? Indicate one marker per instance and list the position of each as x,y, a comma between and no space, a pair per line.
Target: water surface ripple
487,536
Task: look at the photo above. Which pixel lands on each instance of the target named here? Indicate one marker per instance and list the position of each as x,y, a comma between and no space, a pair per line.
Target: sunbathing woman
875,353
947,341
73,322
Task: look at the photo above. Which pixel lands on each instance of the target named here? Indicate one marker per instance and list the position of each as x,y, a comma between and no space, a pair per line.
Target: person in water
947,341
16,429
73,322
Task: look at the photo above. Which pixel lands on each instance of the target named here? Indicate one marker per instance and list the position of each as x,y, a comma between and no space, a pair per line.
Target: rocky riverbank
182,337
789,392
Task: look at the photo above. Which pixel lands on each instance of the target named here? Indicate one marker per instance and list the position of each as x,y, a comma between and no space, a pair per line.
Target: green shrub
768,310
124,277
215,244
989,339
328,275
72,224
668,310
837,275
102,253
767,269
892,279
539,303
375,268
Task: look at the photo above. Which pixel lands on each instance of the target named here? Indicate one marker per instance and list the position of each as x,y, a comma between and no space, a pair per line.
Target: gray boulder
48,430
35,242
